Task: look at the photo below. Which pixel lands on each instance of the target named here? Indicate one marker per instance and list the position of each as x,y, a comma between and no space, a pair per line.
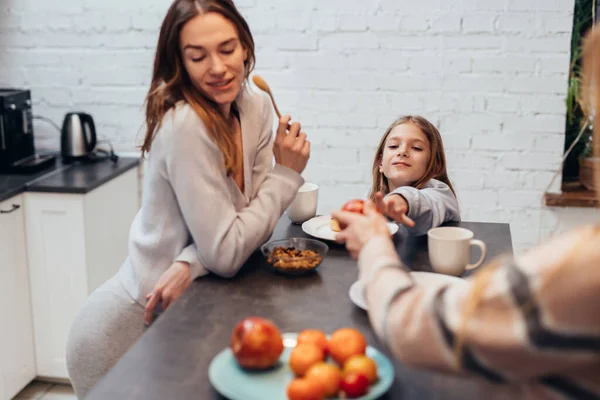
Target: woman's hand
394,206
171,284
360,228
291,149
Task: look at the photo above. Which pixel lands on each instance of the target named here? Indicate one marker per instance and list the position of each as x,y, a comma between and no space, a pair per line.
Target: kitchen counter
55,228
78,178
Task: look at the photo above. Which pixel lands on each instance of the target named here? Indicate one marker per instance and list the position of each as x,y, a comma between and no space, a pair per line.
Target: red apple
256,343
354,205
354,385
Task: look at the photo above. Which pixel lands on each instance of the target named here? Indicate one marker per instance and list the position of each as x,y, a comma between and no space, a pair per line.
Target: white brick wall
492,74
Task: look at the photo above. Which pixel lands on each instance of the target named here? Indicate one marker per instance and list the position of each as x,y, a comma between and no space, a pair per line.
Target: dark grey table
171,360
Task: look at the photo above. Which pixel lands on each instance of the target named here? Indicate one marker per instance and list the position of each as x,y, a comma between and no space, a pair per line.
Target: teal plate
235,383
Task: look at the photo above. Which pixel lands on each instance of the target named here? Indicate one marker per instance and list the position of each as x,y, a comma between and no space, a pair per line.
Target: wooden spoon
262,85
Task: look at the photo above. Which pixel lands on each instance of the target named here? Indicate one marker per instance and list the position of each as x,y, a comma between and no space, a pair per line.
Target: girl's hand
360,228
169,287
291,149
395,207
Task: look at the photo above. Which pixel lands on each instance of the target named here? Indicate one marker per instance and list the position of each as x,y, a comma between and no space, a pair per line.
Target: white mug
304,206
450,250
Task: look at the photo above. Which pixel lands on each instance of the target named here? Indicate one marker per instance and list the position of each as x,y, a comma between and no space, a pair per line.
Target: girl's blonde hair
591,107
436,169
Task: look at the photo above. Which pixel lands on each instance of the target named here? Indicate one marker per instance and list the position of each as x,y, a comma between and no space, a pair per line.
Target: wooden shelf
573,195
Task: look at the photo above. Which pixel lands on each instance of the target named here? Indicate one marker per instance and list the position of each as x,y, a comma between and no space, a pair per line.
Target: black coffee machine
17,148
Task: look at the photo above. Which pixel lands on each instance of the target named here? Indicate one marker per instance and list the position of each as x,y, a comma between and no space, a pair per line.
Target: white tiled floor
46,391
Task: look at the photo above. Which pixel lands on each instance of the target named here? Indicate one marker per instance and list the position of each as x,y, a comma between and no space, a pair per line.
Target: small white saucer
319,227
428,278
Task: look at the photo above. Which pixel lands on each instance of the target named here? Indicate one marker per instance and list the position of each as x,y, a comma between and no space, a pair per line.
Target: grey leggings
108,324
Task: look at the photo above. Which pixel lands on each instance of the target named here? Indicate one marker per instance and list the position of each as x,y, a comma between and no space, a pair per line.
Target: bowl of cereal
294,256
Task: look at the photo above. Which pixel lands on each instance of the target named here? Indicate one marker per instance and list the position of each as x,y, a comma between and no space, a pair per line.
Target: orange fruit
361,364
304,356
329,375
313,336
345,343
305,389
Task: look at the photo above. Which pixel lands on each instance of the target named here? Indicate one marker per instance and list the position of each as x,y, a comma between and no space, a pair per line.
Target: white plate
319,228
428,278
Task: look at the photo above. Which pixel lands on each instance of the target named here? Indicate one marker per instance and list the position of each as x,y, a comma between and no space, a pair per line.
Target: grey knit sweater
192,211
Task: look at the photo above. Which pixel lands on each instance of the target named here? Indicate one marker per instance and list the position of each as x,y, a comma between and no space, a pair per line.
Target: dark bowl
297,265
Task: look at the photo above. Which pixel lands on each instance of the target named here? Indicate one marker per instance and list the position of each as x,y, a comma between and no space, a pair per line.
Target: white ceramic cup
304,206
450,250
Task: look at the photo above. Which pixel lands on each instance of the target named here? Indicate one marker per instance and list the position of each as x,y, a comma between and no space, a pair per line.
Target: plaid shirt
535,325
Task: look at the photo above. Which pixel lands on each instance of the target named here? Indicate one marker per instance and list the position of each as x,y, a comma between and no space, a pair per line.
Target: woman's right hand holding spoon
291,148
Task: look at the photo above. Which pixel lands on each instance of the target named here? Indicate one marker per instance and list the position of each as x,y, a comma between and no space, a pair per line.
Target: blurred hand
395,207
169,287
360,228
291,149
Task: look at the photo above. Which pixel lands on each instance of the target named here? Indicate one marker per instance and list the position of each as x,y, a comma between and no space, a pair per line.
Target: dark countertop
66,178
171,359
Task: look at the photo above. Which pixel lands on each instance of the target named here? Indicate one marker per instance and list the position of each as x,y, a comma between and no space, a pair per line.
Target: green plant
583,19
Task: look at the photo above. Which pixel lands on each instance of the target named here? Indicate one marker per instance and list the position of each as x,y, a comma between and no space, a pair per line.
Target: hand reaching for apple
169,287
394,206
360,228
355,206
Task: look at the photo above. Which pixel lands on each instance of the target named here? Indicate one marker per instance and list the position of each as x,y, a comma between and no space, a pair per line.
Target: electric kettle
78,136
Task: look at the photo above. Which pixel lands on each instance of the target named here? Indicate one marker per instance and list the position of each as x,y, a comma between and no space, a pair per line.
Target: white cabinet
75,243
17,361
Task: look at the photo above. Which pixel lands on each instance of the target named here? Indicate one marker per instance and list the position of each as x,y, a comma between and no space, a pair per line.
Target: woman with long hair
532,320
211,192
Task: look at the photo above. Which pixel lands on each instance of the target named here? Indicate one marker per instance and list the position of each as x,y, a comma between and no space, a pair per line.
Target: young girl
410,182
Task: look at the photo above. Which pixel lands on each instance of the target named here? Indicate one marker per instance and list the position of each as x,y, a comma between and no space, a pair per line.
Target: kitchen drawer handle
15,207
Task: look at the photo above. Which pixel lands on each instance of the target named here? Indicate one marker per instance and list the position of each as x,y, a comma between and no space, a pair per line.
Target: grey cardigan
192,211
429,206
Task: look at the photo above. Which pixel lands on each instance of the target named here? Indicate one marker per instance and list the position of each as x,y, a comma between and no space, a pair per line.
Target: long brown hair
590,99
171,82
436,169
